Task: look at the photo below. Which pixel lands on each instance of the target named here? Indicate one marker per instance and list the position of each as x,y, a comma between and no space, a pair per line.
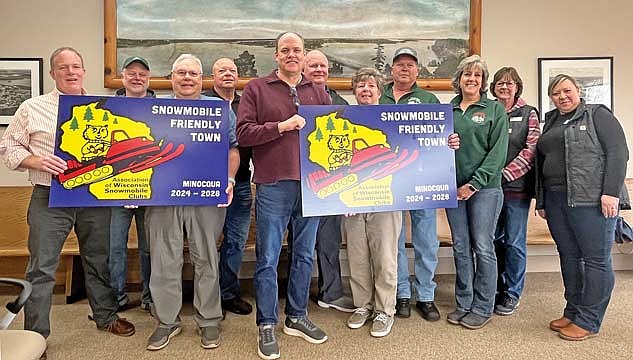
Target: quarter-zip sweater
266,102
483,133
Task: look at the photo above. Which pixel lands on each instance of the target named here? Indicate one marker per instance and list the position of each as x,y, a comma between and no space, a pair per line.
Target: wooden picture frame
595,75
160,79
20,79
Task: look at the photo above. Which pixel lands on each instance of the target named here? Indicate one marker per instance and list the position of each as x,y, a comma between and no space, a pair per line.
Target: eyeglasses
183,73
506,83
295,96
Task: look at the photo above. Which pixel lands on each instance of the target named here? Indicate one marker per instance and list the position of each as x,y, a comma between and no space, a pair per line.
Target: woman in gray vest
518,189
581,165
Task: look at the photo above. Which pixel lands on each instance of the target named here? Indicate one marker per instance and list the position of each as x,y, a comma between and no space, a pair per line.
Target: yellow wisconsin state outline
329,127
89,133
331,146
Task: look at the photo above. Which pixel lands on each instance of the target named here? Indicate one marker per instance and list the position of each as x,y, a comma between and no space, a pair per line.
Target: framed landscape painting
20,79
351,33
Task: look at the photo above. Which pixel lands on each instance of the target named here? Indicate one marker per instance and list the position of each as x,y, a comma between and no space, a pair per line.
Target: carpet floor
524,335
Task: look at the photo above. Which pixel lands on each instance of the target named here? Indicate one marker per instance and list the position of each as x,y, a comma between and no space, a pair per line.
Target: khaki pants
372,251
166,227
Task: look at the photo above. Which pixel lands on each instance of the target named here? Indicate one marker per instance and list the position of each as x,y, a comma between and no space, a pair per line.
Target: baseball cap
137,59
405,51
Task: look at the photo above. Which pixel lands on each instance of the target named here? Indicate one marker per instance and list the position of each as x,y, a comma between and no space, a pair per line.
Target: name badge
516,119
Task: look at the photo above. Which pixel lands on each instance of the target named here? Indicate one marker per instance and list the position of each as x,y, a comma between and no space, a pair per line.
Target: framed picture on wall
595,75
352,34
20,79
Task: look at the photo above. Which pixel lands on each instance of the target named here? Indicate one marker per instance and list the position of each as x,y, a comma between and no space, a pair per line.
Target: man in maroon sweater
268,122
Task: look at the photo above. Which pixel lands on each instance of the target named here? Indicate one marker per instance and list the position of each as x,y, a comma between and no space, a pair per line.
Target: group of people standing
575,169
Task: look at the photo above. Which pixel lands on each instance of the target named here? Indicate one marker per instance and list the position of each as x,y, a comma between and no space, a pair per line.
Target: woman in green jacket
483,129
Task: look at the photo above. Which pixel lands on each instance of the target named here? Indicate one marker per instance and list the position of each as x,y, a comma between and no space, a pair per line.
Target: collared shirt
521,164
235,104
335,97
483,133
32,132
415,95
232,119
244,171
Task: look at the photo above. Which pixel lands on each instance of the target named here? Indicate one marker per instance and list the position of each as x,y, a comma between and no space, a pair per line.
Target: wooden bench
14,234
14,253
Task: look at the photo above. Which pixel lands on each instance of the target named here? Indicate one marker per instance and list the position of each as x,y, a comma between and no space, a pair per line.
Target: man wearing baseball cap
404,90
135,75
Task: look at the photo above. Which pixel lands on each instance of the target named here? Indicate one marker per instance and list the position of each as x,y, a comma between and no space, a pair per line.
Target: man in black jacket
135,77
238,214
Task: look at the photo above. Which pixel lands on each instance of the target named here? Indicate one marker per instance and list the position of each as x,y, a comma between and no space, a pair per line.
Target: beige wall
512,35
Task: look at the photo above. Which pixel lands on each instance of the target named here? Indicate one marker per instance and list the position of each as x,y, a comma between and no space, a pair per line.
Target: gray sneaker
304,328
267,347
359,318
507,306
381,325
344,304
456,316
474,321
210,337
160,338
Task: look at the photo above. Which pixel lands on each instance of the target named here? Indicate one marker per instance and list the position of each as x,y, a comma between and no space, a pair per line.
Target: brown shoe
574,332
558,324
120,327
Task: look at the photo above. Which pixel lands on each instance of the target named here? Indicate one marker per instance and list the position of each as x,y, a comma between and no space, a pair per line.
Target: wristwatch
232,180
472,188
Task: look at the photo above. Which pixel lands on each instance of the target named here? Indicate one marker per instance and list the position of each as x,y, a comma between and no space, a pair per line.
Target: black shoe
429,310
237,306
129,305
402,308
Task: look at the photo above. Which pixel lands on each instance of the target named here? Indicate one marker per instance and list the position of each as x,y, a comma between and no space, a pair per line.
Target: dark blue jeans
510,246
473,225
328,246
236,225
584,238
119,227
276,205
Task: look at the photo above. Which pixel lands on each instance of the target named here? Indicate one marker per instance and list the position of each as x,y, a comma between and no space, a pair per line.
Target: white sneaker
382,324
359,318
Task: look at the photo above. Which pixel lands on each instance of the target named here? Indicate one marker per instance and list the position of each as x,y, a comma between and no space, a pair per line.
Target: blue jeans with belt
473,225
584,238
278,204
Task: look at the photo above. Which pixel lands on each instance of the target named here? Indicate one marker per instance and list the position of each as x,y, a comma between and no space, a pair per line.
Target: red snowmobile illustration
371,162
133,154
